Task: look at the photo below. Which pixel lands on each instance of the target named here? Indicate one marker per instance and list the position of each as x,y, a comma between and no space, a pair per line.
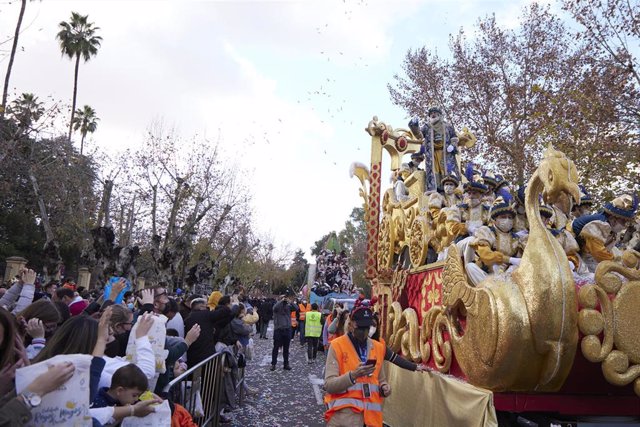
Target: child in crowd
127,384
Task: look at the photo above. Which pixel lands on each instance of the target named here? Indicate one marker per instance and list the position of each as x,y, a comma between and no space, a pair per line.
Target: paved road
284,398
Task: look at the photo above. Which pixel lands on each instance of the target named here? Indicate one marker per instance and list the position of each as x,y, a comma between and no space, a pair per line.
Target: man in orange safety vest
303,308
354,380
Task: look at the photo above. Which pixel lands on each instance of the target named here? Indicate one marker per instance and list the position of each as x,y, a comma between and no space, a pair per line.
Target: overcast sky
288,86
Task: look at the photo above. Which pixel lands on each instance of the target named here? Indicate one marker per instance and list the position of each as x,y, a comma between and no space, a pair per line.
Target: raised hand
35,328
116,288
104,332
192,335
146,296
28,276
145,322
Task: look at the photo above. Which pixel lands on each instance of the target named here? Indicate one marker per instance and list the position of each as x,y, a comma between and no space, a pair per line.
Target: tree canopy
520,89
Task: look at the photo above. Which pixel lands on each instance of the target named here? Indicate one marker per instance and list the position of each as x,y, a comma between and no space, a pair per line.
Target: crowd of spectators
332,273
39,323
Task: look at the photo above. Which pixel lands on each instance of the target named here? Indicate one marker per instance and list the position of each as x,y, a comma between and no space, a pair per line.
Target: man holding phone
354,379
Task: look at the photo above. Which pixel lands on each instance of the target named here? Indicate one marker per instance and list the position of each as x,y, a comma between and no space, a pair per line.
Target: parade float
533,342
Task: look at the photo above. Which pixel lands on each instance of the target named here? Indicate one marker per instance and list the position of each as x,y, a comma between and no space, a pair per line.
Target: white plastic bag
157,336
194,405
249,350
160,418
67,405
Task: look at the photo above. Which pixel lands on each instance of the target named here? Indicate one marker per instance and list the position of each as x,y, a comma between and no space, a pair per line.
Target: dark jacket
103,399
241,330
211,323
265,311
282,315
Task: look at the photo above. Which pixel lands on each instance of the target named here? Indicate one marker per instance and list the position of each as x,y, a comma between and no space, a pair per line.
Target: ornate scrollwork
617,322
442,352
417,246
385,243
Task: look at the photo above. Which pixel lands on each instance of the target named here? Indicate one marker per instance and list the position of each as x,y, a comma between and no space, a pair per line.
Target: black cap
363,317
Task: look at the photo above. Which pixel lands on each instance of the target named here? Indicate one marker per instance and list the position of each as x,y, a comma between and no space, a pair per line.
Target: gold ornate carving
417,243
386,241
517,333
442,353
617,295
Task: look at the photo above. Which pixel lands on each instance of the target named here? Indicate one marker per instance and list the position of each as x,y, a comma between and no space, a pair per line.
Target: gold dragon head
559,176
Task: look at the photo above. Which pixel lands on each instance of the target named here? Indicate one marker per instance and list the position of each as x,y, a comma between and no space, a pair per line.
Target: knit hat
213,299
624,206
585,197
502,205
520,194
546,211
452,179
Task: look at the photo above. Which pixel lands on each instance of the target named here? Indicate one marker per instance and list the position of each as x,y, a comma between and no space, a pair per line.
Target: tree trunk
121,225
48,231
177,201
75,93
84,134
14,48
129,225
104,205
154,207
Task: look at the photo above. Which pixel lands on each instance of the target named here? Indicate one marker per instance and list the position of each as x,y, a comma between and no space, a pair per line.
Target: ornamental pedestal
14,265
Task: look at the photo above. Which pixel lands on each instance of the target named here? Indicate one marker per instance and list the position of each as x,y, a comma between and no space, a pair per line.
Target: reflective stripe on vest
312,326
353,398
303,310
358,386
355,402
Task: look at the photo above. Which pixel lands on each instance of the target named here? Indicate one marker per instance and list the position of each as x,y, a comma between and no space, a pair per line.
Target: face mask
372,331
504,224
434,119
449,189
474,201
130,306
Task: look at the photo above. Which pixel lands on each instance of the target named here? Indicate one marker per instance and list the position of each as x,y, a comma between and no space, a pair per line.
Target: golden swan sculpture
519,333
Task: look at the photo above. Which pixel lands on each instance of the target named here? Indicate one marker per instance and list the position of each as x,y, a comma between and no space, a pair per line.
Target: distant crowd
332,273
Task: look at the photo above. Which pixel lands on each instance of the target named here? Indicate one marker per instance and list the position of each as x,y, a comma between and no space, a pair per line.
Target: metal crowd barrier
200,389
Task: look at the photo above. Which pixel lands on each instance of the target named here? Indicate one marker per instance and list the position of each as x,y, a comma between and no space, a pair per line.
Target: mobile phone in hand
370,362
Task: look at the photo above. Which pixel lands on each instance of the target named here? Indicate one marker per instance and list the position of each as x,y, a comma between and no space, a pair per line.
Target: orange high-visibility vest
303,310
294,322
353,398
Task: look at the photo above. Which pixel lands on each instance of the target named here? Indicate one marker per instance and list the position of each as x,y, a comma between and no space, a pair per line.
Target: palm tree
86,121
14,48
26,110
78,39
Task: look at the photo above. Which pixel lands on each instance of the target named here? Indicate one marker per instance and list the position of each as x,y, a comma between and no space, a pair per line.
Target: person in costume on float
354,381
399,188
566,240
490,180
521,223
597,234
416,160
585,206
465,218
562,211
448,198
498,247
440,148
